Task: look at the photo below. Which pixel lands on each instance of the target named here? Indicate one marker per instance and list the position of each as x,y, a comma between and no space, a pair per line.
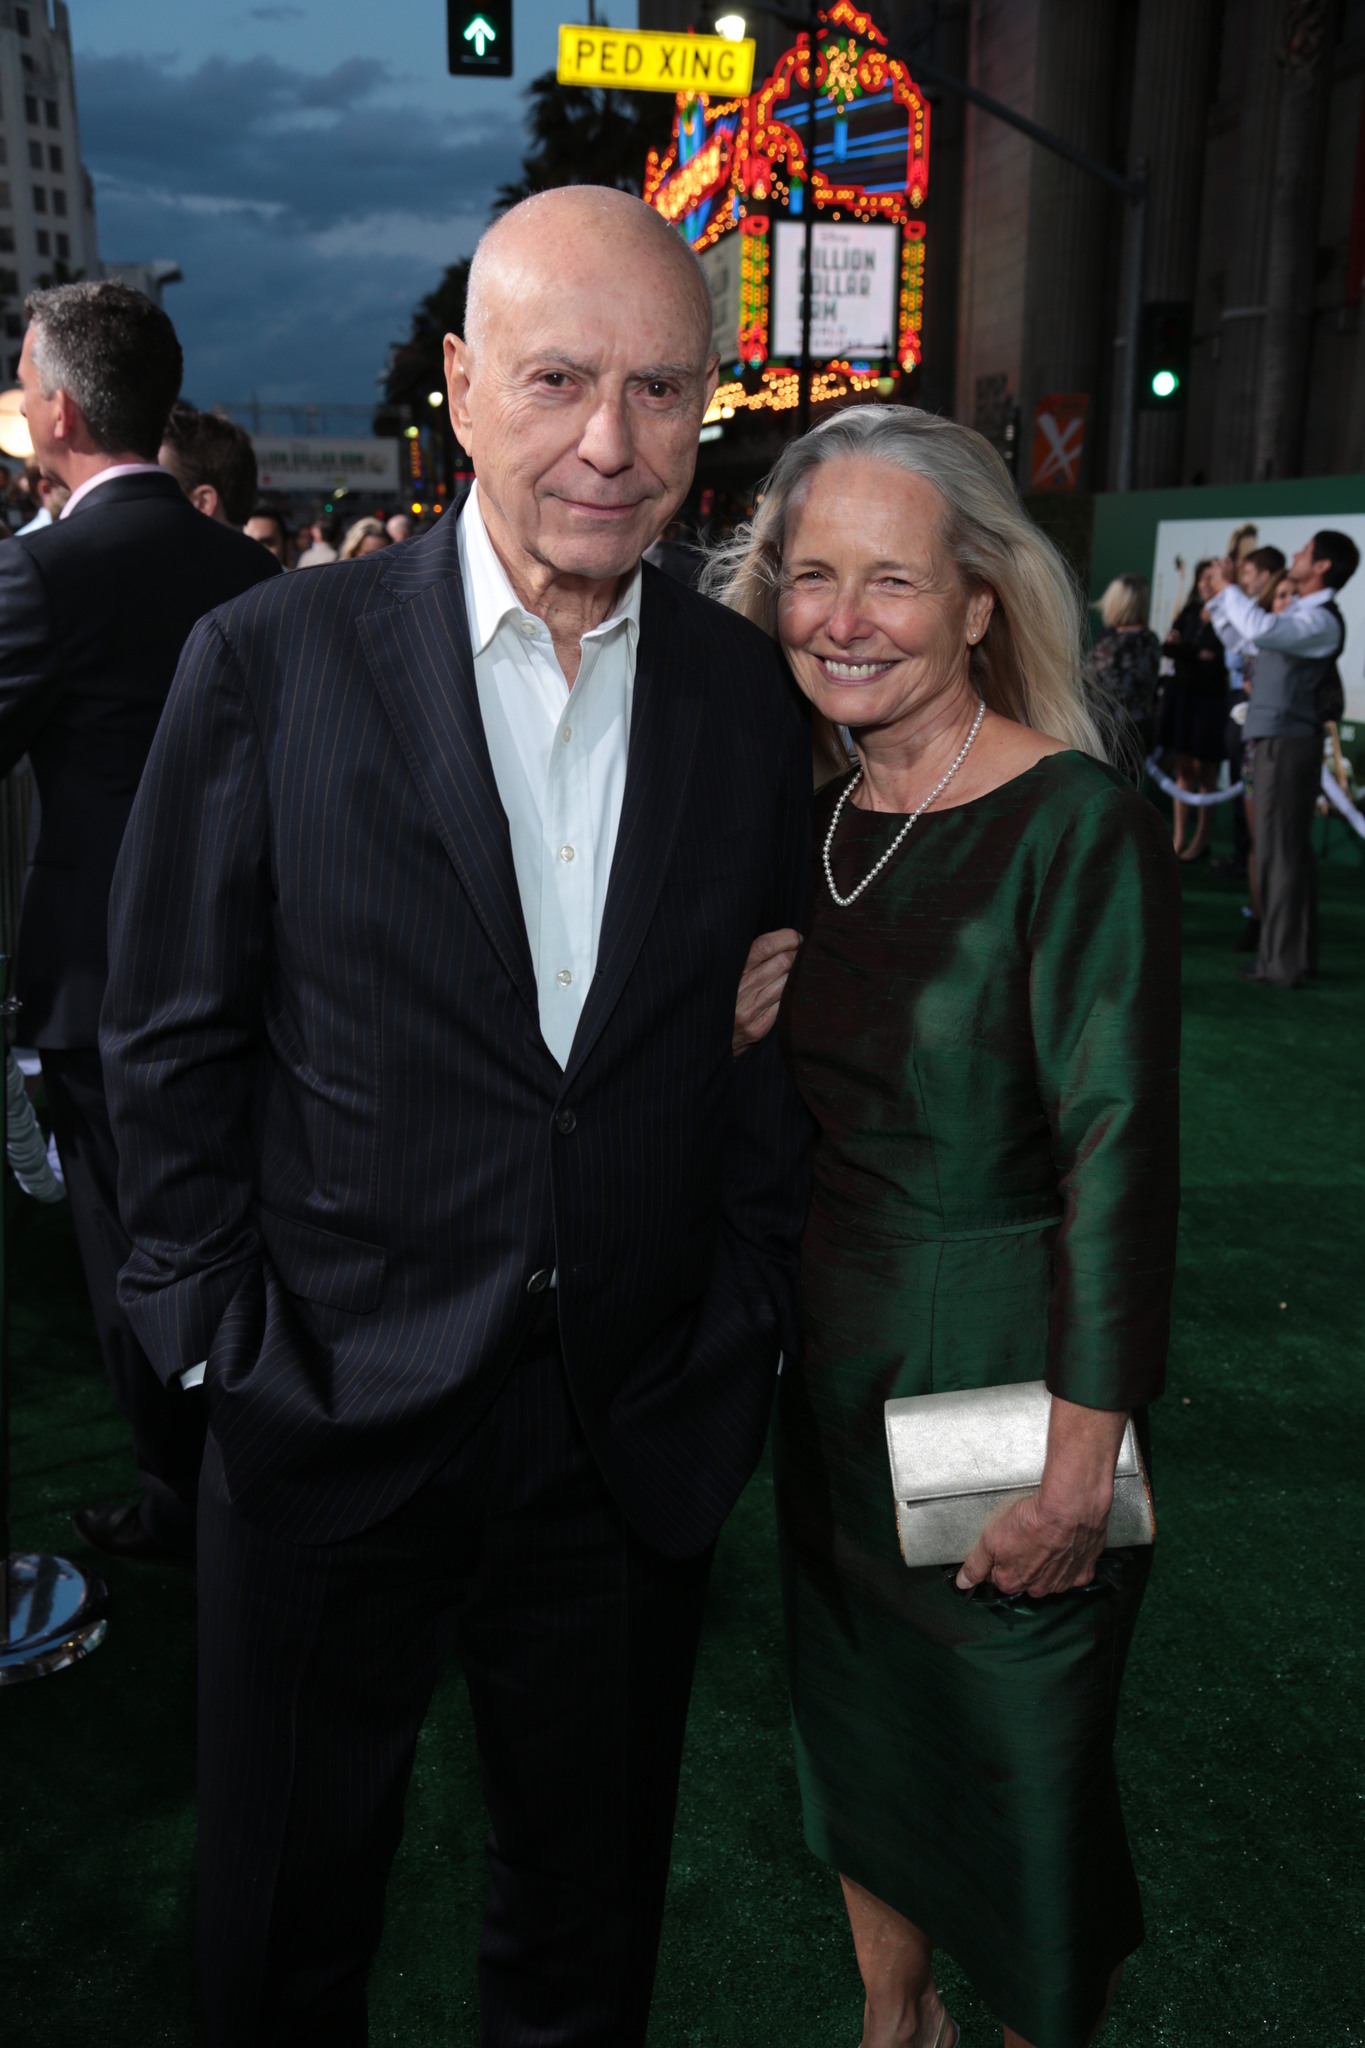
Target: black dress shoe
119,1532
1248,939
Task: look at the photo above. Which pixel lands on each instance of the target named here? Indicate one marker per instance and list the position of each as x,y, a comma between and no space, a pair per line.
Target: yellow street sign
639,60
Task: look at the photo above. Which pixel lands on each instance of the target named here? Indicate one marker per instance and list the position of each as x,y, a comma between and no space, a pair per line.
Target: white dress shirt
1303,628
106,476
1235,648
559,760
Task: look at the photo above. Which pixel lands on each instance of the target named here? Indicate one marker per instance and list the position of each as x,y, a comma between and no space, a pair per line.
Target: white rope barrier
1197,797
1331,789
1336,795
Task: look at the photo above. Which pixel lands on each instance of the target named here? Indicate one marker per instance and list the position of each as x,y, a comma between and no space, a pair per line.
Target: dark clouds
307,209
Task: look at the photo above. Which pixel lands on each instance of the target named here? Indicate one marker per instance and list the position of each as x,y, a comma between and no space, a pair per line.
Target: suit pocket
323,1266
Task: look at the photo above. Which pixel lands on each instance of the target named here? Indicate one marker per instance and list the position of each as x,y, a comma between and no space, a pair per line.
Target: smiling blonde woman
983,1019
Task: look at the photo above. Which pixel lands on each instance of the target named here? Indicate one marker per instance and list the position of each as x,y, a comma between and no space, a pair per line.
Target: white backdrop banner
1180,543
313,462
853,296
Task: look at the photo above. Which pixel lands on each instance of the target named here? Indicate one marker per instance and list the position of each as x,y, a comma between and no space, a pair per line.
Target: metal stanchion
51,1613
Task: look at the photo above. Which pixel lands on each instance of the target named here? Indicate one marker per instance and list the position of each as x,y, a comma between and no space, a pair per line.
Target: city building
47,200
1246,115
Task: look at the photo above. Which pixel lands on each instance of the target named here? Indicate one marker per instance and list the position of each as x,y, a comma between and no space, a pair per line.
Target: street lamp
731,26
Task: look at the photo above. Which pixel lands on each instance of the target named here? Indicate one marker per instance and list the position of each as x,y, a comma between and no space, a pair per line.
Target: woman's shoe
949,2033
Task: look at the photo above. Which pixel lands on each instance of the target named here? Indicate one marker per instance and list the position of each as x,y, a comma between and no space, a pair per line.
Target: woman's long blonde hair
1028,663
364,529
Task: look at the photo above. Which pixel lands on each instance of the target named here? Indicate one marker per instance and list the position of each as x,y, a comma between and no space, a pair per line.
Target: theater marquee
736,183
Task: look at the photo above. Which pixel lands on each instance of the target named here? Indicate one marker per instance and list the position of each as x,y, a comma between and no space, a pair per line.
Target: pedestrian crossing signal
479,37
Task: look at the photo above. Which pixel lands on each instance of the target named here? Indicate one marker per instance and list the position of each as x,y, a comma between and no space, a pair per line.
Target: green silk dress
988,1039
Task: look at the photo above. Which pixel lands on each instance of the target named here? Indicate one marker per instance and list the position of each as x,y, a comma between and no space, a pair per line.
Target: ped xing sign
641,60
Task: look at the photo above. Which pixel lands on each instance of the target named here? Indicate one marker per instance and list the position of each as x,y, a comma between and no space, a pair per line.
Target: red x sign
1058,438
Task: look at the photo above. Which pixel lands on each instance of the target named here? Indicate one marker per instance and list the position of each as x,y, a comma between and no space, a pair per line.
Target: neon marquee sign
739,166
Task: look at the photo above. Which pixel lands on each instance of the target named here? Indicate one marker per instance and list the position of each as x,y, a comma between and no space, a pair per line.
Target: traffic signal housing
1164,354
479,38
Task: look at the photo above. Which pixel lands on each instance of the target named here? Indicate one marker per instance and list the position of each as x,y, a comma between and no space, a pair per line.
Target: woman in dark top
1194,710
1125,661
983,1019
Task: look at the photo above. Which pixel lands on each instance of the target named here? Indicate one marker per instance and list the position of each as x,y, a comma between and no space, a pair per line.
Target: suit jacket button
538,1282
565,1122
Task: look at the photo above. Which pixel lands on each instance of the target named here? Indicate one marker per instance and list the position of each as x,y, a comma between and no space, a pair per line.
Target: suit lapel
665,721
419,651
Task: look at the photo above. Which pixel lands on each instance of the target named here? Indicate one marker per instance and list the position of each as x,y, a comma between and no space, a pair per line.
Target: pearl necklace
844,901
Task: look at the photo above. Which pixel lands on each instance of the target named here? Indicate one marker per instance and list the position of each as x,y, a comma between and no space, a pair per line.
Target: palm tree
580,135
417,365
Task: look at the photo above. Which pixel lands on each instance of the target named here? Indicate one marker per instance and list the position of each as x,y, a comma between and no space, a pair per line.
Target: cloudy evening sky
311,167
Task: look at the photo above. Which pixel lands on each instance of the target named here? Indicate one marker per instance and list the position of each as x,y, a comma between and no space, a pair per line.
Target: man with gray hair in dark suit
441,1178
94,610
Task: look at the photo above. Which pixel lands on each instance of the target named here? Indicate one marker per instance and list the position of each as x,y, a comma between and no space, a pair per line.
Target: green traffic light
479,38
1165,384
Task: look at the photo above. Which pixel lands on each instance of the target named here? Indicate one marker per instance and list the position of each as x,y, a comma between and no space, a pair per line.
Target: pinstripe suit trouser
317,1665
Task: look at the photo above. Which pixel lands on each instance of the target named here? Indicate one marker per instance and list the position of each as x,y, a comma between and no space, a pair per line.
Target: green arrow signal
480,33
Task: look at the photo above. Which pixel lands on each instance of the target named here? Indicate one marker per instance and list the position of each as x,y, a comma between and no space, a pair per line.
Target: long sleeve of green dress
1104,997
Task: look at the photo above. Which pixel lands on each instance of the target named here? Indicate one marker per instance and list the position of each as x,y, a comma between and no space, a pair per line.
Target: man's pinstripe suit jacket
344,1147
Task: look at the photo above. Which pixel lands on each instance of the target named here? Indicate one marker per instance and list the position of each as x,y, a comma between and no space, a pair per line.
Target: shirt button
566,854
567,734
565,1122
538,1282
529,628
563,977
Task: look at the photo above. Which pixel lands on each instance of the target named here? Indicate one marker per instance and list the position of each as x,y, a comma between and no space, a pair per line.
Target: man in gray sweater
1292,689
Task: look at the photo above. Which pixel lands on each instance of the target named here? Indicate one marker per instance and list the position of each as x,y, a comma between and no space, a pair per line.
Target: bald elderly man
445,1192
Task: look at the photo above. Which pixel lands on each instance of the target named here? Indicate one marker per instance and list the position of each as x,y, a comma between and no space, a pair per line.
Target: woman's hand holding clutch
1051,1542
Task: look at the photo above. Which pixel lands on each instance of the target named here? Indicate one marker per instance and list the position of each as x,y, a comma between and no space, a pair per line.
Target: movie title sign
317,462
853,290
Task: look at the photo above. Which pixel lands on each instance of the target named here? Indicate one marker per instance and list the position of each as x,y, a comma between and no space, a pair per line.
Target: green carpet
1240,1743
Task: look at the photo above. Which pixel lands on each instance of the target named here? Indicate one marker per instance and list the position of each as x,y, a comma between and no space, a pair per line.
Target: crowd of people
1248,675
213,460
508,1019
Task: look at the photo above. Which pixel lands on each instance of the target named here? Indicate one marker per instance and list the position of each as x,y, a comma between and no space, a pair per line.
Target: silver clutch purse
957,1459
